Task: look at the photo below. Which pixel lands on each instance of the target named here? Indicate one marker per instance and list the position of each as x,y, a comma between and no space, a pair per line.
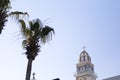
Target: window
86,58
83,58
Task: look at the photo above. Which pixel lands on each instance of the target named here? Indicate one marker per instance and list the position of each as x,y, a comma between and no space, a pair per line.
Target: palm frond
46,34
23,25
26,32
29,33
30,23
46,30
16,15
37,22
35,26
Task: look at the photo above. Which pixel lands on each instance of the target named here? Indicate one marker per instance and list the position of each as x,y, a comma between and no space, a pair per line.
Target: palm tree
5,6
34,35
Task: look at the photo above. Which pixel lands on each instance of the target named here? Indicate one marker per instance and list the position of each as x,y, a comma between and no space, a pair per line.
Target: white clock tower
85,69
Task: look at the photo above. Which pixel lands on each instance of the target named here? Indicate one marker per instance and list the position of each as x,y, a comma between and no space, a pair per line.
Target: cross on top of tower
84,48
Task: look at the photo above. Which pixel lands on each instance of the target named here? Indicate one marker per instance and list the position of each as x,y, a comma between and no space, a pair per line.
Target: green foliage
5,4
45,34
4,9
34,33
16,15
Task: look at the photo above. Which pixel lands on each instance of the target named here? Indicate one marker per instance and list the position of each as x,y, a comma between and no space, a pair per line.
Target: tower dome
84,57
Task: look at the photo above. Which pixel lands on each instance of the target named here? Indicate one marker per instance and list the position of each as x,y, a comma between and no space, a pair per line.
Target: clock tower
85,68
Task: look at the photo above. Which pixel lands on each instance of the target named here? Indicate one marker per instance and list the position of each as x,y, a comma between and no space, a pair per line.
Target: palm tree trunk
29,68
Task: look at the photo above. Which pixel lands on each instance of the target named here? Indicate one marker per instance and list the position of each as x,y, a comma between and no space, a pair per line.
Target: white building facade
113,78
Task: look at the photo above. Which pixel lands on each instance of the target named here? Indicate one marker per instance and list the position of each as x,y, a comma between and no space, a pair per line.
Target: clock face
82,69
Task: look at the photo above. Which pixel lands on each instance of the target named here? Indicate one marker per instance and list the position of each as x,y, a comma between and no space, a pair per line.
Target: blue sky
77,23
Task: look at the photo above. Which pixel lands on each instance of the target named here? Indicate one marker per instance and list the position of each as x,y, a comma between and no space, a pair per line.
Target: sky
94,24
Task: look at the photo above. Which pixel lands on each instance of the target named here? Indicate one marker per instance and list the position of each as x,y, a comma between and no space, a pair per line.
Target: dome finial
83,48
